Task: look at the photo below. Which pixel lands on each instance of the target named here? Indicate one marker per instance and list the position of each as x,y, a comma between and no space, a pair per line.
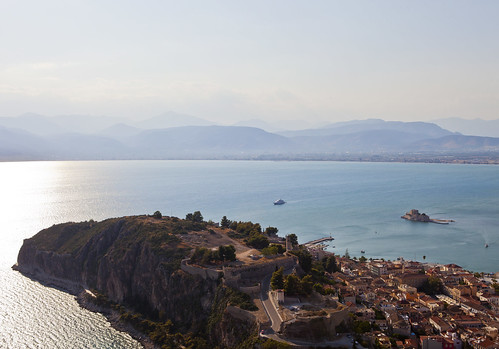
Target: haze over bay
174,97
229,61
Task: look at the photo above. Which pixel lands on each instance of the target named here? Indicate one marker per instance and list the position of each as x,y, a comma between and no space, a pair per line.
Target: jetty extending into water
318,241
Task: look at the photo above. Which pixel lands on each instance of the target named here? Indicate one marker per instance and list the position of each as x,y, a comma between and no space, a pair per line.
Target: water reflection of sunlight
23,184
25,189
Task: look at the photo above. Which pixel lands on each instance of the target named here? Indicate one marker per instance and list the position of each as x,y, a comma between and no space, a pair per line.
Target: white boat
279,202
362,251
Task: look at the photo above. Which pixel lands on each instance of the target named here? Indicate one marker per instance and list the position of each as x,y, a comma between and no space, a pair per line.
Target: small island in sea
415,216
190,283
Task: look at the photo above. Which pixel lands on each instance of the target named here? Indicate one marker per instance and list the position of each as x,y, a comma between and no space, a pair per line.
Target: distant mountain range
89,124
178,136
475,127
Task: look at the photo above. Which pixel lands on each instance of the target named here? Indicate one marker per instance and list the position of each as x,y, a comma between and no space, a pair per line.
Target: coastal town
459,309
368,303
413,305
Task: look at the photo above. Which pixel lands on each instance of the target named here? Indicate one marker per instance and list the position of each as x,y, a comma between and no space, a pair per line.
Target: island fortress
414,215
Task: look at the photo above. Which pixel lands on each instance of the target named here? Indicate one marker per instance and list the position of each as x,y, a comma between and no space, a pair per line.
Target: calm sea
359,204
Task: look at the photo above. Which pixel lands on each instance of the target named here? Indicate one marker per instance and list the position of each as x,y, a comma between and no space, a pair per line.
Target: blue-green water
359,204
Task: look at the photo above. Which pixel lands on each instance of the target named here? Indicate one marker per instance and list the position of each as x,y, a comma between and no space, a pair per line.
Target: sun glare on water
26,188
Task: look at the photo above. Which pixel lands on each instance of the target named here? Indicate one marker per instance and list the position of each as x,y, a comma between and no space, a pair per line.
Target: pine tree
347,255
277,280
225,222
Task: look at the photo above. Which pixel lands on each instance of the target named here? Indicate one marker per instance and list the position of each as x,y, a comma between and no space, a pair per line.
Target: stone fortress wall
247,275
205,273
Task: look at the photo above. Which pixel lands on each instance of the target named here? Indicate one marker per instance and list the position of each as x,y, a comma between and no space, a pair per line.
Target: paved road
267,304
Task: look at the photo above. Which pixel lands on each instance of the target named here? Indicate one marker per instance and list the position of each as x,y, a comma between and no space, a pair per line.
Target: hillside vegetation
133,266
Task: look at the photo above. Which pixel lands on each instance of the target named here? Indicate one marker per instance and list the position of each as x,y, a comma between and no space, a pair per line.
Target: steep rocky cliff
134,261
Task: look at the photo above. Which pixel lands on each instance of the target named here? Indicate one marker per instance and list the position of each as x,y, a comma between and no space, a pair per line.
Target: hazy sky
234,60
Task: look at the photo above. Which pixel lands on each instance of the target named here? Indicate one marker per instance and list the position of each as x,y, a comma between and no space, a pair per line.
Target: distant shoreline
443,159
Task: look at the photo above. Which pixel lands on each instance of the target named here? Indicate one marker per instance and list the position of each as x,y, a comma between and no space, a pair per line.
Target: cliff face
229,325
132,260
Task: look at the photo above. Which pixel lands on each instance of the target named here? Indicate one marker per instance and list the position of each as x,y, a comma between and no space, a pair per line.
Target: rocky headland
188,283
129,268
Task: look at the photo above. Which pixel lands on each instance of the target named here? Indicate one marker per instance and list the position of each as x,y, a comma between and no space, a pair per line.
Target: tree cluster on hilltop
273,249
203,255
196,217
251,233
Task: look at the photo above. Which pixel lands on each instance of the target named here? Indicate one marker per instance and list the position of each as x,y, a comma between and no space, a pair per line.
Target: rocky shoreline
84,299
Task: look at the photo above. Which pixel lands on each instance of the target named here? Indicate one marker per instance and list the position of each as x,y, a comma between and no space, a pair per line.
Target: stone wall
314,328
251,289
244,277
237,276
205,273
